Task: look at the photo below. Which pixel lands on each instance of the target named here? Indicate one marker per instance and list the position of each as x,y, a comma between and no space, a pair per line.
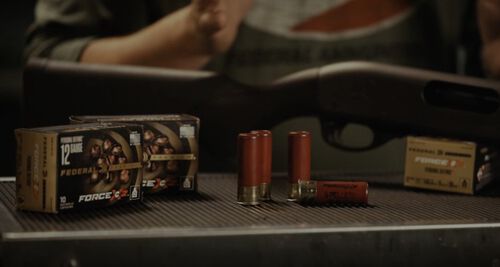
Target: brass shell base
293,192
265,192
307,190
248,195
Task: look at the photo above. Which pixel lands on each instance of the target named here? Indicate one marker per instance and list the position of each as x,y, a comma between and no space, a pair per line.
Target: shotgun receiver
393,101
397,101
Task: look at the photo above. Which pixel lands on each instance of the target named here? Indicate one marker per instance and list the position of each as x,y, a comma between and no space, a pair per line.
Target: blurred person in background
258,41
489,25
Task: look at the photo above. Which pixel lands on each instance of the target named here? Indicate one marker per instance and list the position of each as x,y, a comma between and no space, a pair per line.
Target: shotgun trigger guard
332,134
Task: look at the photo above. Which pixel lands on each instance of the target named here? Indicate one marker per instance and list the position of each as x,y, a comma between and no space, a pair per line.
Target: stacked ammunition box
170,149
449,165
78,166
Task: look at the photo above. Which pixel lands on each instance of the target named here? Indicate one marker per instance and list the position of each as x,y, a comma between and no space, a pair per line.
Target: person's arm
119,32
489,25
185,39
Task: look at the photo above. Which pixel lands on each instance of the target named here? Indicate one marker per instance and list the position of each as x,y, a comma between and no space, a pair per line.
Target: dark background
15,19
17,16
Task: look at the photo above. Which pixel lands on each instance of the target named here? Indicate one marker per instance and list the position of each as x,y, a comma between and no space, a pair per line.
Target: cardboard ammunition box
170,149
449,165
78,166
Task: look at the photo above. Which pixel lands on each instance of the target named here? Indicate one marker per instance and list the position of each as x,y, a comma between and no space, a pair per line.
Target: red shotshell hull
299,156
265,141
342,192
249,160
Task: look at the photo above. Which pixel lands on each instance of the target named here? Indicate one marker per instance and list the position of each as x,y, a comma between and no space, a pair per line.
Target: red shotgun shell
265,140
249,169
333,192
299,161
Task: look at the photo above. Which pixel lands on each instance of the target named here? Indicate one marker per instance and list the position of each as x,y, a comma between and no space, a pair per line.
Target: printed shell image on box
78,166
448,165
170,149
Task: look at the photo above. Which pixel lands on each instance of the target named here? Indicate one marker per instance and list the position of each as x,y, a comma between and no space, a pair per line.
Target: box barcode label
186,131
135,139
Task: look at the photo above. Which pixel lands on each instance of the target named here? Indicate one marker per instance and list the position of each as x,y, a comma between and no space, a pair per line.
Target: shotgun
393,101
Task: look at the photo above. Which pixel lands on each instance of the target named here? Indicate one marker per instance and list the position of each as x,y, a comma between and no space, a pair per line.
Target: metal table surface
400,227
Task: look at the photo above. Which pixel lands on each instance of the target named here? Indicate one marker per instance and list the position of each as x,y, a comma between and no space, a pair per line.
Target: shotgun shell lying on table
333,192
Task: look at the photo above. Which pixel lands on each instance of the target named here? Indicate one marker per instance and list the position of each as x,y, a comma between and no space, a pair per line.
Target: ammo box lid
426,140
134,118
75,127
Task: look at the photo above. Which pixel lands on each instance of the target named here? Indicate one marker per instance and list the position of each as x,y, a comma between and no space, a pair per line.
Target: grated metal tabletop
399,227
215,207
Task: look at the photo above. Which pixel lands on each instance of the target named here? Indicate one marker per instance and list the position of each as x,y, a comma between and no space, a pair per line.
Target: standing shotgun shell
299,161
248,174
333,192
265,141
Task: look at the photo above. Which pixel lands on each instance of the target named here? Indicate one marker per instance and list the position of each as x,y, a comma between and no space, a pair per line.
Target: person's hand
185,39
489,24
218,21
